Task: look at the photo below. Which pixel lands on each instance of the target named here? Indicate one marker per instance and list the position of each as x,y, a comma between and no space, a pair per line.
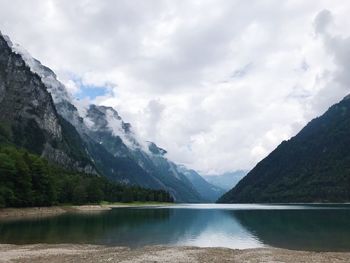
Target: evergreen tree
29,180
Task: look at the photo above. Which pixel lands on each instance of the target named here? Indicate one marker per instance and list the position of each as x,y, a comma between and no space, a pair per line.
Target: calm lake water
302,227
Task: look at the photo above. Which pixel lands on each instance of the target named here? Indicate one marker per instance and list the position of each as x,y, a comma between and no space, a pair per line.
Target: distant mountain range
42,117
208,191
313,166
226,180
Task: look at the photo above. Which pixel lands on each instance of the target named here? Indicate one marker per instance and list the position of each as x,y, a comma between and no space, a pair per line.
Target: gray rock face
2,91
107,128
28,109
47,76
23,95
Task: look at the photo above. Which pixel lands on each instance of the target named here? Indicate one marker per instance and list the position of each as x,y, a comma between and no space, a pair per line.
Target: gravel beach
88,253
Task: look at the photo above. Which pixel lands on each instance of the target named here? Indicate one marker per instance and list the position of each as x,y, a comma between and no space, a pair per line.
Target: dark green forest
28,180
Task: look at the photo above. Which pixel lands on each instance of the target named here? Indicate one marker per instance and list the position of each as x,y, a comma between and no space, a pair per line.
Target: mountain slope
209,192
313,166
226,180
138,163
96,136
30,116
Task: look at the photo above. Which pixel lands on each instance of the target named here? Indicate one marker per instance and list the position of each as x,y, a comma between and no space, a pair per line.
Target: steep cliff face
107,128
28,111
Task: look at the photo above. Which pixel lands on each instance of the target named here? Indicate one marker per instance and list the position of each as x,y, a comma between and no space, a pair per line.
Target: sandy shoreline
88,253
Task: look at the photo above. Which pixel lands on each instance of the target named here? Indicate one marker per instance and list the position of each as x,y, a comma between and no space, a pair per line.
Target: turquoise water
302,227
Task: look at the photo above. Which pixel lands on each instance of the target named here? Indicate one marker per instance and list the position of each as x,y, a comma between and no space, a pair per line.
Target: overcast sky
219,84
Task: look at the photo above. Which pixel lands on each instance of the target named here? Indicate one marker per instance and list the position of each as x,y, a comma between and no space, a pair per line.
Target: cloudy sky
218,83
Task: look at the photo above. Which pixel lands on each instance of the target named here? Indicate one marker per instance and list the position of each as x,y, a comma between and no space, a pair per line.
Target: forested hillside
29,180
313,166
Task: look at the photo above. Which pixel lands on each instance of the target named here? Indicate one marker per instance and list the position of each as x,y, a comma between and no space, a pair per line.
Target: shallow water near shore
299,227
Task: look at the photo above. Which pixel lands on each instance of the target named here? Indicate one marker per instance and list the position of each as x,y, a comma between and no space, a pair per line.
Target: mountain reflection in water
320,228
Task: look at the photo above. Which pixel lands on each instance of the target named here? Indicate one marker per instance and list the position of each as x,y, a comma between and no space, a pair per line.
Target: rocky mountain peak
48,77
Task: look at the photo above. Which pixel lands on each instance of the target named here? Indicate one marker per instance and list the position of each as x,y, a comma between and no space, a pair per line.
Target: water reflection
234,226
118,226
319,230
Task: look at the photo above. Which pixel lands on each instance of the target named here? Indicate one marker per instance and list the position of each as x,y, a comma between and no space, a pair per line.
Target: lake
301,227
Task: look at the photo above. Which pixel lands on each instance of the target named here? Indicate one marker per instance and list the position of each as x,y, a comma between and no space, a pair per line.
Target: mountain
209,192
141,163
29,115
226,180
43,118
313,166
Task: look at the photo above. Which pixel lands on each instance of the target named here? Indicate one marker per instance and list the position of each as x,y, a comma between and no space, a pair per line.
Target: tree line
29,180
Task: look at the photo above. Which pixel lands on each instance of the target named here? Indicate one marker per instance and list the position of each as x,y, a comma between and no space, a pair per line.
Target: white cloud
217,83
